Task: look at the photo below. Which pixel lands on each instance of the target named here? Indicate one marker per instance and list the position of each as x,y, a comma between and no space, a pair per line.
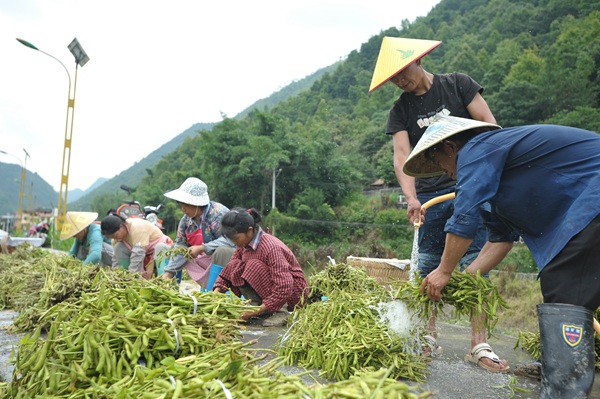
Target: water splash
414,257
401,322
397,316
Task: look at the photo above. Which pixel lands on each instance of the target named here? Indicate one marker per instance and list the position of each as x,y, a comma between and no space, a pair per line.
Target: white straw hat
193,191
444,126
76,222
395,54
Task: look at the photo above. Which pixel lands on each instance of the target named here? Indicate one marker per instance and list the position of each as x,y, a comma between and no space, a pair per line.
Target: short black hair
111,223
239,220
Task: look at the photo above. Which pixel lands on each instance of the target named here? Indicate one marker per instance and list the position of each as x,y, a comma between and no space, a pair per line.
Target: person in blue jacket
543,184
89,245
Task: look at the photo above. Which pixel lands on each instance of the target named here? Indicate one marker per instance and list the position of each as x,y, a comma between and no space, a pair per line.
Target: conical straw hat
444,126
75,222
395,54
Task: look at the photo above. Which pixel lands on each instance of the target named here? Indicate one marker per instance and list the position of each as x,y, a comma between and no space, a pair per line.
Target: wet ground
7,343
450,376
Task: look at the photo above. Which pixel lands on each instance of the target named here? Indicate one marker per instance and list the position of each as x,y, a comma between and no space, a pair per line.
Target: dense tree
538,62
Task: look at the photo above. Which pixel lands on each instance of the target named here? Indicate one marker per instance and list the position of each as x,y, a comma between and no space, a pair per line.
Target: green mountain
538,61
37,193
134,175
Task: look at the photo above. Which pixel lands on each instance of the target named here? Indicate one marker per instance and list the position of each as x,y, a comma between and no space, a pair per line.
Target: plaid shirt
271,269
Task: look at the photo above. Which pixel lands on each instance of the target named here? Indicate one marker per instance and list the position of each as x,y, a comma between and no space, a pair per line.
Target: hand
434,283
247,315
258,312
413,210
196,250
148,271
167,275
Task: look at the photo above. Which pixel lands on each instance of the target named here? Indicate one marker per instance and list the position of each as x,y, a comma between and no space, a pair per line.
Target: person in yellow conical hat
425,95
90,245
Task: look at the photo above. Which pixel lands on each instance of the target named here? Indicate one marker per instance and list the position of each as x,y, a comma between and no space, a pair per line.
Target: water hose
432,202
450,196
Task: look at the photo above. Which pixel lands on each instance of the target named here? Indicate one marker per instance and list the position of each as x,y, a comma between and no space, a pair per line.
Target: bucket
215,270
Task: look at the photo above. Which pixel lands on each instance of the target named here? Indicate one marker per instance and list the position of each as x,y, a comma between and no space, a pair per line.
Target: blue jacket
92,245
542,181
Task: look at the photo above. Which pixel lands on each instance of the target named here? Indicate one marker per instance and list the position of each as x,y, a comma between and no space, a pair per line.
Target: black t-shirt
449,94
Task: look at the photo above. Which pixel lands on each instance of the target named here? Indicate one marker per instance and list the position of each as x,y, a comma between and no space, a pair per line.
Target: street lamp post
19,221
81,59
276,173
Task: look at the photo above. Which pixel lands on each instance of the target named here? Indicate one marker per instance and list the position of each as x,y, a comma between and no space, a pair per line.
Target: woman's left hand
258,312
196,250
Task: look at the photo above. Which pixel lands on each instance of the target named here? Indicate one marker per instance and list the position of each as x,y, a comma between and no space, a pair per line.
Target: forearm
136,264
490,256
209,247
455,248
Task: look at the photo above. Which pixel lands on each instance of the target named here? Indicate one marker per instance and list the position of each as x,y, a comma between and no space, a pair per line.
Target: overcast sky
158,67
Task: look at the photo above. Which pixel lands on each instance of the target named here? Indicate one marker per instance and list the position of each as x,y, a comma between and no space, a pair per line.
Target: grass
521,295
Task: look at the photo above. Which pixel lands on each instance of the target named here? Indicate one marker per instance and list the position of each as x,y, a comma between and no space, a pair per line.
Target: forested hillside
37,194
538,61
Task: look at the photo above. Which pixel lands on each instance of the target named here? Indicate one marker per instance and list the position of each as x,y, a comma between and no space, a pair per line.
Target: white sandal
432,344
485,350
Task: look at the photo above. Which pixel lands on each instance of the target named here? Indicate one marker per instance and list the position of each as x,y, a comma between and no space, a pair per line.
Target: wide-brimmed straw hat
193,191
444,126
76,222
395,54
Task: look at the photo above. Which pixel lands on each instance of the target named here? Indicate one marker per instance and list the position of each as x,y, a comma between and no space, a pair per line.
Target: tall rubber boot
567,346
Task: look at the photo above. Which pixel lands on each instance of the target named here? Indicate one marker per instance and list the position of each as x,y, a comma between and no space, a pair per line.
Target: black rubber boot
567,346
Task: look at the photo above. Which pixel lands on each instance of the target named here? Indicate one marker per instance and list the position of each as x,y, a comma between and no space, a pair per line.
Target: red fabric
195,237
198,268
272,271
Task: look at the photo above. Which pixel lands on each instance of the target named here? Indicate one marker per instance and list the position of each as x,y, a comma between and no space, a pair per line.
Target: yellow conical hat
395,54
75,222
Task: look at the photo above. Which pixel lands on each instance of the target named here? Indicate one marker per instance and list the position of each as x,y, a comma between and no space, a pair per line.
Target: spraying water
414,257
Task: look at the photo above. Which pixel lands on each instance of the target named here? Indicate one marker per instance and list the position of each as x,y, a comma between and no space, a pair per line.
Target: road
450,376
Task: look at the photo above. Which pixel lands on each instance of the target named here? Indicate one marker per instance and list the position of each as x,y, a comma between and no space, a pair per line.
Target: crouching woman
262,269
136,242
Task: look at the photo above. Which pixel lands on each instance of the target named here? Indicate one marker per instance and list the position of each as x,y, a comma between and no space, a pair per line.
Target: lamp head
26,43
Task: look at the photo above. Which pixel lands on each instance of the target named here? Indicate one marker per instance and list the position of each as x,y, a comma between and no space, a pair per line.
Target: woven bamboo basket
384,271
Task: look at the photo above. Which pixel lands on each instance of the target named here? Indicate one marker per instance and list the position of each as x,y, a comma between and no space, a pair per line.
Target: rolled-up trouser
573,276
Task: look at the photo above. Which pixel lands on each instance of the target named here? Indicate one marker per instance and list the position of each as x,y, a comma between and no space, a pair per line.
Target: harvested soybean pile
104,333
347,332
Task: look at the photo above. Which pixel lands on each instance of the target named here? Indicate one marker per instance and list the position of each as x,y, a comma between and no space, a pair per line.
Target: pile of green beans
105,334
345,278
470,295
344,334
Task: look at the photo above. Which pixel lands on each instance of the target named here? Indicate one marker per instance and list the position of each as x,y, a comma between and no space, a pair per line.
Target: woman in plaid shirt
262,268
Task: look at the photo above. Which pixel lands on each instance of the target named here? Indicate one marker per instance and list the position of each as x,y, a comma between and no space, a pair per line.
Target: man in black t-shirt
424,95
